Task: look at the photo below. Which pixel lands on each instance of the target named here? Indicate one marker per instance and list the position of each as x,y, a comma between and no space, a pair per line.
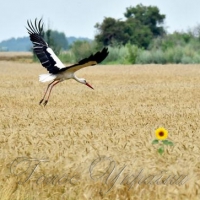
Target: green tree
149,16
56,40
60,39
139,34
111,32
142,24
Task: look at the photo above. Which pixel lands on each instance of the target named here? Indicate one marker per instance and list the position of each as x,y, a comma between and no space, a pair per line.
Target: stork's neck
80,80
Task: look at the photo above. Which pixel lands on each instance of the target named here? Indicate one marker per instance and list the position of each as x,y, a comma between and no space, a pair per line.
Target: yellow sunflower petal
161,133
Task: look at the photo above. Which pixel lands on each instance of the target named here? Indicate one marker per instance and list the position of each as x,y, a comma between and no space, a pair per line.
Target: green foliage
51,42
111,32
149,16
172,48
117,55
139,34
56,40
155,141
82,49
60,39
161,150
133,53
167,142
143,23
67,57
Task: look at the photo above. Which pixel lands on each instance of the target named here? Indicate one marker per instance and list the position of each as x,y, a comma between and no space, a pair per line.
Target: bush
117,55
158,57
83,49
144,57
173,48
186,60
67,57
133,53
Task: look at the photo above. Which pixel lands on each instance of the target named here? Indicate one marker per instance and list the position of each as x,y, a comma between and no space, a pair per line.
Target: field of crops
16,56
97,144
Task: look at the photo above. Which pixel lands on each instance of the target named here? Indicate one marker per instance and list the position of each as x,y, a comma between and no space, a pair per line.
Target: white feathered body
61,76
46,77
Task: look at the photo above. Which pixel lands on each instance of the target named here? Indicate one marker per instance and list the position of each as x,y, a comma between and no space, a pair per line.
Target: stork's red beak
89,86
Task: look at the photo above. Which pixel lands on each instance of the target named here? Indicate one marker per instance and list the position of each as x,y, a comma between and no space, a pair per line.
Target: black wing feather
40,47
98,57
91,60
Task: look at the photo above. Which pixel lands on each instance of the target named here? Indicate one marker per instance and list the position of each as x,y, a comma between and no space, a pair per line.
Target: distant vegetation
140,38
13,44
24,44
171,48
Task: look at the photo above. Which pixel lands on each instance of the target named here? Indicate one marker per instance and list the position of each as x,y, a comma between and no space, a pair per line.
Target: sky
78,17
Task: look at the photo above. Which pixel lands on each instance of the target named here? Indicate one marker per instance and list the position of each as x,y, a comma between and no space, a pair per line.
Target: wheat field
97,144
16,56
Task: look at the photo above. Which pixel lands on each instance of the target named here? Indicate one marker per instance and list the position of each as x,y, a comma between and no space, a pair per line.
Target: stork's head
83,81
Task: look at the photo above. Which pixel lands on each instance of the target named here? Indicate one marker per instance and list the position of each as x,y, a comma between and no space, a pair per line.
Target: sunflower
161,133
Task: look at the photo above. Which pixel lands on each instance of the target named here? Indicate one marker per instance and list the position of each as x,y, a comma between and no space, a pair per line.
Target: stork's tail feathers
46,77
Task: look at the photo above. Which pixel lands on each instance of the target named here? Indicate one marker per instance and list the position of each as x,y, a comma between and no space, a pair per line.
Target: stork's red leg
51,87
46,92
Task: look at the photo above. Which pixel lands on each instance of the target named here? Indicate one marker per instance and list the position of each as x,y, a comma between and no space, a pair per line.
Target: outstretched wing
86,62
44,53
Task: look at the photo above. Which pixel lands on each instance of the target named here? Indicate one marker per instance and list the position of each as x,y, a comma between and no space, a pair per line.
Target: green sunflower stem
161,150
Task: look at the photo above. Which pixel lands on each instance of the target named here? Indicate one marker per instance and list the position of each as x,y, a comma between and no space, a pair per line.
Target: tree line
140,38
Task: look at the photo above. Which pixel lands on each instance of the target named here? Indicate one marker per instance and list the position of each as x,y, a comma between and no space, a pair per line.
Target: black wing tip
97,57
101,55
36,19
106,50
37,29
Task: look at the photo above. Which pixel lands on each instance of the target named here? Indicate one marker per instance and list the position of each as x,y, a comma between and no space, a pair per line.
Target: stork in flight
58,72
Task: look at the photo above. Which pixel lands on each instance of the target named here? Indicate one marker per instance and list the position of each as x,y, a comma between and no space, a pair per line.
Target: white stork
58,72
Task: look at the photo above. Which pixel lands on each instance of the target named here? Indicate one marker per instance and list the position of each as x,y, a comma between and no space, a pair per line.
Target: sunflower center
161,134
